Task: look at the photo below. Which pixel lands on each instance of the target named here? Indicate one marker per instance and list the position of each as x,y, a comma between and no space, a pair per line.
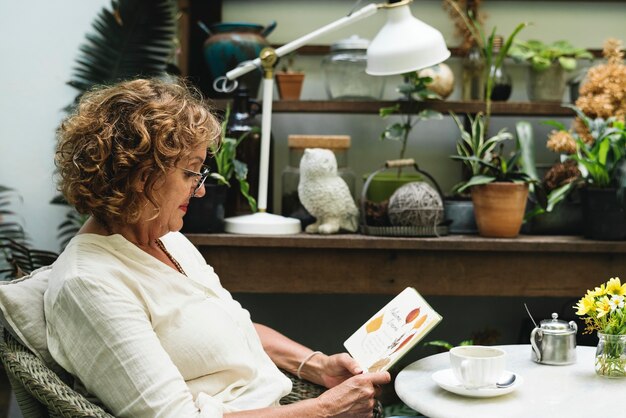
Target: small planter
611,355
548,85
499,208
289,85
206,213
604,217
460,213
565,219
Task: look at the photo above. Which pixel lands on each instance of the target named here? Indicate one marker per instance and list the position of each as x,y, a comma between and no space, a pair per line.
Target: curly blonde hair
126,133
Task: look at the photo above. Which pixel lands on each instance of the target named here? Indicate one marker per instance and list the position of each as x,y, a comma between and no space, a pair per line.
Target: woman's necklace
172,259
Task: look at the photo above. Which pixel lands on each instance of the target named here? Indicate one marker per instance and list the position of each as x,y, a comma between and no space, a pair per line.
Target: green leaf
438,343
386,111
568,64
477,181
395,132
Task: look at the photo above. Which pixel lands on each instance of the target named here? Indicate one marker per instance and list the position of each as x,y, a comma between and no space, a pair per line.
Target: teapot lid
555,325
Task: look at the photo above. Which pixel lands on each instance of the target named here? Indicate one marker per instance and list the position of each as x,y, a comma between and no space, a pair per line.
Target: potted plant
288,80
600,153
206,214
549,63
414,88
498,183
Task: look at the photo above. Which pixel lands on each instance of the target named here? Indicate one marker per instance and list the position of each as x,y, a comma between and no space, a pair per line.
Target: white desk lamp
404,44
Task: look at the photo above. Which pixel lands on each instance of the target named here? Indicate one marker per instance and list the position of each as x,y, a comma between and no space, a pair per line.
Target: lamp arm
362,13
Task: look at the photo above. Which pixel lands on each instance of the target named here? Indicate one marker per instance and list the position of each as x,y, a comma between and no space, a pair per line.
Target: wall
40,41
431,141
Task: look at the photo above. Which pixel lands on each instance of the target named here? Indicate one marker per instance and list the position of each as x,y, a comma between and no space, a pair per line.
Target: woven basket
402,231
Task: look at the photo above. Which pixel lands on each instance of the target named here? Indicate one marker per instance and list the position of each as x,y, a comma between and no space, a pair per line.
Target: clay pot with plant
499,184
289,81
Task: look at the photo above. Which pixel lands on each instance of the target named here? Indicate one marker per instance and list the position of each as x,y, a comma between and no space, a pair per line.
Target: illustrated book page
392,331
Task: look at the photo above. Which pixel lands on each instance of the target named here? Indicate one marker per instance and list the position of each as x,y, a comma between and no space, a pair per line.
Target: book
392,332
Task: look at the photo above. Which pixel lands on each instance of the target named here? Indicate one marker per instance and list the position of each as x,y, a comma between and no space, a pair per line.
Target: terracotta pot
289,85
499,208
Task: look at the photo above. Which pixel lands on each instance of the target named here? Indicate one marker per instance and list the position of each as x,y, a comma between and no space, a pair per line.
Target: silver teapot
554,341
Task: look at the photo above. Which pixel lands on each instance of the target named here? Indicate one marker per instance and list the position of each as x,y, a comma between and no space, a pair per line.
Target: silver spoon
506,381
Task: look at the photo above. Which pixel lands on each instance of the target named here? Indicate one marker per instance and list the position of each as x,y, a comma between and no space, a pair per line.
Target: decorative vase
547,85
289,85
604,217
499,208
230,44
611,355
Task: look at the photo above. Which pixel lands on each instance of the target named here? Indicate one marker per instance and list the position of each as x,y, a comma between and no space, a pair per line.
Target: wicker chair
42,393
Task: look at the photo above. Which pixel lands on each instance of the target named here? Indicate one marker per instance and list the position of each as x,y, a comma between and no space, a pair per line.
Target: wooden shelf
444,106
459,265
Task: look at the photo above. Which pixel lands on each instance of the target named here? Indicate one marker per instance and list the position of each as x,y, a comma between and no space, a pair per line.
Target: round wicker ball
415,204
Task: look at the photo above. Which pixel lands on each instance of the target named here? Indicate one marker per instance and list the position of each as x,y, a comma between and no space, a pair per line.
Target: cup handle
465,370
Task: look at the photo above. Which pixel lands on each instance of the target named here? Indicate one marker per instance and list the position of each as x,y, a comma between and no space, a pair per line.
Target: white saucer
446,380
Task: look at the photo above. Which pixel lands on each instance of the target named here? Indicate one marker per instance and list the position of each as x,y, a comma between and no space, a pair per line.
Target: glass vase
611,355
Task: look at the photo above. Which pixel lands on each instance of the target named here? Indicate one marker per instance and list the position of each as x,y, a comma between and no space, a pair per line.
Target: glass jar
344,72
502,83
473,75
611,355
339,144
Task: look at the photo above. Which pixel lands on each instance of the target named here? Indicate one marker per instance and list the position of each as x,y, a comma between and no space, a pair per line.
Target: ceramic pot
460,213
206,214
289,85
547,85
499,208
565,219
230,44
604,217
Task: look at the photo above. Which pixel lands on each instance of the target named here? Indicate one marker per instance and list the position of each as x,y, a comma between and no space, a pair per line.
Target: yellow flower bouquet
604,310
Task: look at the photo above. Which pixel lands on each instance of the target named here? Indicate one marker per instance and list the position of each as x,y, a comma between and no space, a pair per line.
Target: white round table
547,391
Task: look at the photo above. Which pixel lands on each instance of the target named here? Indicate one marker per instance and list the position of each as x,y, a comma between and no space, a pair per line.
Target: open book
392,331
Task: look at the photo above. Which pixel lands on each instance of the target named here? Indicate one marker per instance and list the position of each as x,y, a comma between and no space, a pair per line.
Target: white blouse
149,341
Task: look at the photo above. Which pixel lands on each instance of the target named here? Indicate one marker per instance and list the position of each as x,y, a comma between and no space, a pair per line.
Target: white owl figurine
324,194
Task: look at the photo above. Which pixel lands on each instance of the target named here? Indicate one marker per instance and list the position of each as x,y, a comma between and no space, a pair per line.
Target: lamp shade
405,44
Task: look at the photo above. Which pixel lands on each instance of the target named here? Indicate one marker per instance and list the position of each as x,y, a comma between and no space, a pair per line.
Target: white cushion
21,303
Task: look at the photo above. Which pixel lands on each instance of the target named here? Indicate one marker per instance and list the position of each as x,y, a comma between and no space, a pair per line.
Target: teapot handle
536,333
268,29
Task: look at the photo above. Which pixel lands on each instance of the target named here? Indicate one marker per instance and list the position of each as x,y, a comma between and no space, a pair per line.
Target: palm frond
134,38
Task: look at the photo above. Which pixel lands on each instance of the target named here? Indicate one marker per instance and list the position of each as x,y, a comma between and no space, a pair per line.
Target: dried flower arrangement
603,95
460,26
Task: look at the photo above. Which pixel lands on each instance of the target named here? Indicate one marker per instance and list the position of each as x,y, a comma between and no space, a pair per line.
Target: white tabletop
547,391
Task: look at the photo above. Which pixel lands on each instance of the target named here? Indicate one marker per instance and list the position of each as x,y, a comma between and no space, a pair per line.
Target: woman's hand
354,397
337,368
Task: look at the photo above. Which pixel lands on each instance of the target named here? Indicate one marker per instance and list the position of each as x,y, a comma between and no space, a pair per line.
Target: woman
133,311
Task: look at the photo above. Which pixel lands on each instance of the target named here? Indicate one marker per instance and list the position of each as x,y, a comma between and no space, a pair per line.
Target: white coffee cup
477,366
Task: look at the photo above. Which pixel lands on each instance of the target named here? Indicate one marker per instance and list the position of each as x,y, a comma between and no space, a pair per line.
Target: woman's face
176,191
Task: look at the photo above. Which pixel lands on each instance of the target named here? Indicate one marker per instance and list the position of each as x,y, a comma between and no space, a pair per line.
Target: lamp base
262,223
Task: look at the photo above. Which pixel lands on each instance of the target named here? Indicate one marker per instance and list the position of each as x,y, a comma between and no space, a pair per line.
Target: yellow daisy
585,305
603,306
598,291
614,287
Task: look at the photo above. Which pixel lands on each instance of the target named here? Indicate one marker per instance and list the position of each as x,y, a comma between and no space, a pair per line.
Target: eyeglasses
202,175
